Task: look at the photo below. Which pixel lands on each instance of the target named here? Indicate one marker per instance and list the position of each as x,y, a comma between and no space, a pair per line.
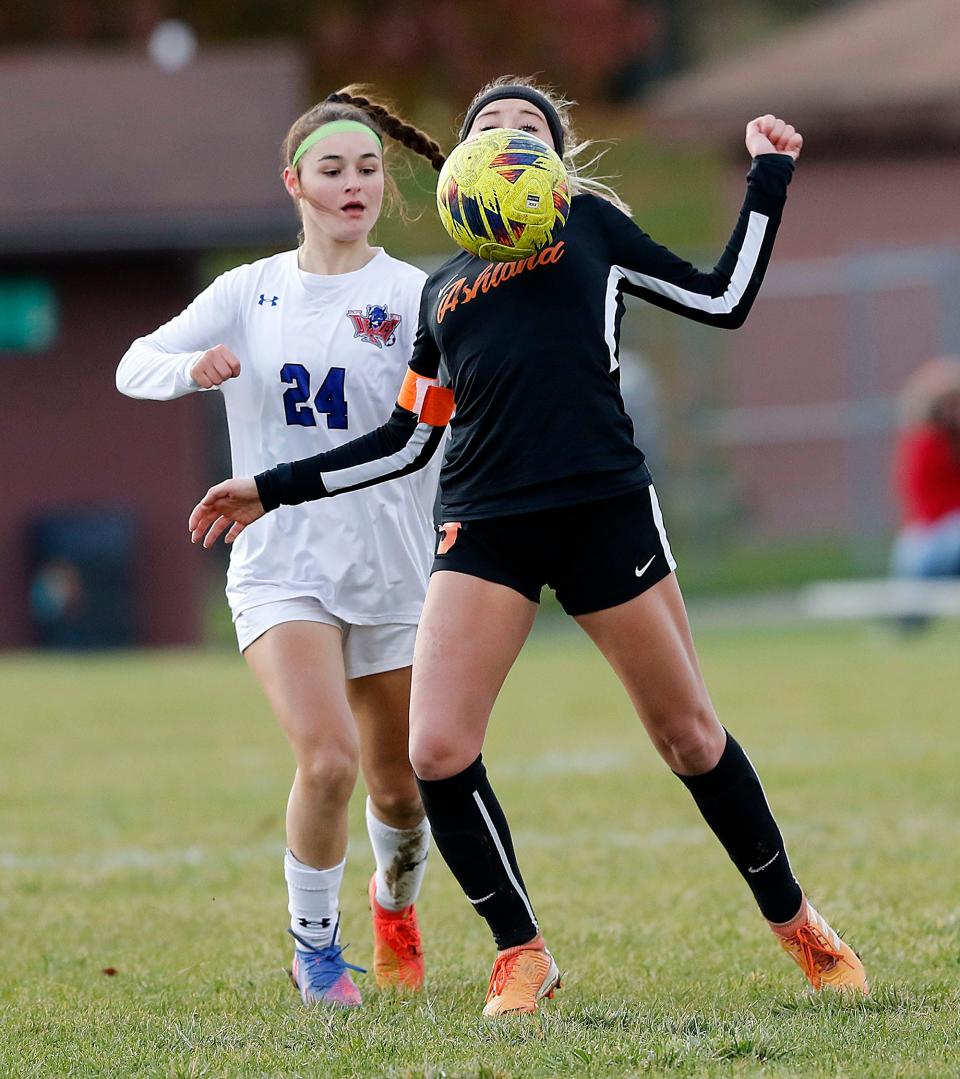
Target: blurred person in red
927,472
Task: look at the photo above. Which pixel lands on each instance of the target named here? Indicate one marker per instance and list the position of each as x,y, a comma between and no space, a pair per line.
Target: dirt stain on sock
403,862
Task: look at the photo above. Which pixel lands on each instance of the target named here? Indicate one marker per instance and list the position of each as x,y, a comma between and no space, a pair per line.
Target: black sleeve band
273,484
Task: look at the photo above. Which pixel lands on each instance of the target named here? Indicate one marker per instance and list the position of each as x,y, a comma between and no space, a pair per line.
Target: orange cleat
397,952
823,957
521,978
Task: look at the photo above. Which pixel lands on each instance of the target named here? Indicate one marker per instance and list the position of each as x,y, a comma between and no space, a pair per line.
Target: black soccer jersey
530,350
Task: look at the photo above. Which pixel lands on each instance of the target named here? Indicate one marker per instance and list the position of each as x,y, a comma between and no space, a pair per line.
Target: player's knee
329,772
693,741
398,805
436,757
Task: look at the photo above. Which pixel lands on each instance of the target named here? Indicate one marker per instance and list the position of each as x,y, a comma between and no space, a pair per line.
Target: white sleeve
157,367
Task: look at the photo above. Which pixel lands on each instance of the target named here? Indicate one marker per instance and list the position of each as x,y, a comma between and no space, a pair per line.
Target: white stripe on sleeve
343,478
740,279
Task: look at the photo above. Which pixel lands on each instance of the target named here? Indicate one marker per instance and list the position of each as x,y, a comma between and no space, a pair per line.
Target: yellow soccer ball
503,195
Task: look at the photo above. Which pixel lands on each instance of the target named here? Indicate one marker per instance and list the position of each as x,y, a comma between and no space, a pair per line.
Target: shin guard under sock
733,803
471,833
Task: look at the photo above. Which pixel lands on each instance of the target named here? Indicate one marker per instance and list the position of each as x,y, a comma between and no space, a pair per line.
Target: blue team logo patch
375,325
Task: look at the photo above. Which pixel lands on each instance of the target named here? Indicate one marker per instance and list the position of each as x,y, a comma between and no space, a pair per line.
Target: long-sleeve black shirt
531,351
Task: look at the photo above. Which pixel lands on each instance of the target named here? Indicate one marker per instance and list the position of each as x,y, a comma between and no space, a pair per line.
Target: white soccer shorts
366,649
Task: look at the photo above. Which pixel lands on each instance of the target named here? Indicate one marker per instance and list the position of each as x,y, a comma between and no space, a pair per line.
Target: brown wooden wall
69,439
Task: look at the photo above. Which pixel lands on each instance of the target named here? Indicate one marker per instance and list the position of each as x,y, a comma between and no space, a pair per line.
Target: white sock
313,899
401,855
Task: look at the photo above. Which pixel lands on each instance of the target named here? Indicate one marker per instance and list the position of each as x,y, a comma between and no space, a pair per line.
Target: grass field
141,831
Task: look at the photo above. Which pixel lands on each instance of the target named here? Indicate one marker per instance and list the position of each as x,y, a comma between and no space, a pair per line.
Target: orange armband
430,402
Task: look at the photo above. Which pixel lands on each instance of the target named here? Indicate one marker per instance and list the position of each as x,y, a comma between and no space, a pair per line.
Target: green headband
333,128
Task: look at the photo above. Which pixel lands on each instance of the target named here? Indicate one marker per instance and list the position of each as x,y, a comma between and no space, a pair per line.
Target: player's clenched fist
771,135
231,505
216,365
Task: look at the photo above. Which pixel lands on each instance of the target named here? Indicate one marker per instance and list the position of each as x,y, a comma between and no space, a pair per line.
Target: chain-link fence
779,437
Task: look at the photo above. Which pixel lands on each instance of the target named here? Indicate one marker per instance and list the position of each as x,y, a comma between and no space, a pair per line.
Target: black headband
526,93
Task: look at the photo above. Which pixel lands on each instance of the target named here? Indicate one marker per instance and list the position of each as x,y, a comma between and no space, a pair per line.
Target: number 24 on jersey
329,399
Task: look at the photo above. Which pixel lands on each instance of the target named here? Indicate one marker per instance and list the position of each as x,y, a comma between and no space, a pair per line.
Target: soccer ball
503,195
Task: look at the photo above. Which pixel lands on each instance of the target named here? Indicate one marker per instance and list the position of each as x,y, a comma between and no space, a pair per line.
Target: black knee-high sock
732,802
471,833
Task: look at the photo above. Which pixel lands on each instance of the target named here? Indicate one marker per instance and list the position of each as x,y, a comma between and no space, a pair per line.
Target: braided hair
419,142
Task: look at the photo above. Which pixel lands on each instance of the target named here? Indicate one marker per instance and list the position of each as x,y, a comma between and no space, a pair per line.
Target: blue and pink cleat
322,974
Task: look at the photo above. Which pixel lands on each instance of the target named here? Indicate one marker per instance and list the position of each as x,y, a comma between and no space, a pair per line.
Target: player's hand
771,135
231,505
215,366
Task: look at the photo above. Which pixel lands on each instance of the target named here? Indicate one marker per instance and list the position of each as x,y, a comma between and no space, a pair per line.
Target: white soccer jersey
321,361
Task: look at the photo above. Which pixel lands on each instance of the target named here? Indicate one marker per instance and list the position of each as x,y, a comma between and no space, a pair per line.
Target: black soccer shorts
594,555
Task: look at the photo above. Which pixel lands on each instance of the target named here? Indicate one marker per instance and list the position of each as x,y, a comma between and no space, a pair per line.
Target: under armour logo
272,300
324,923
